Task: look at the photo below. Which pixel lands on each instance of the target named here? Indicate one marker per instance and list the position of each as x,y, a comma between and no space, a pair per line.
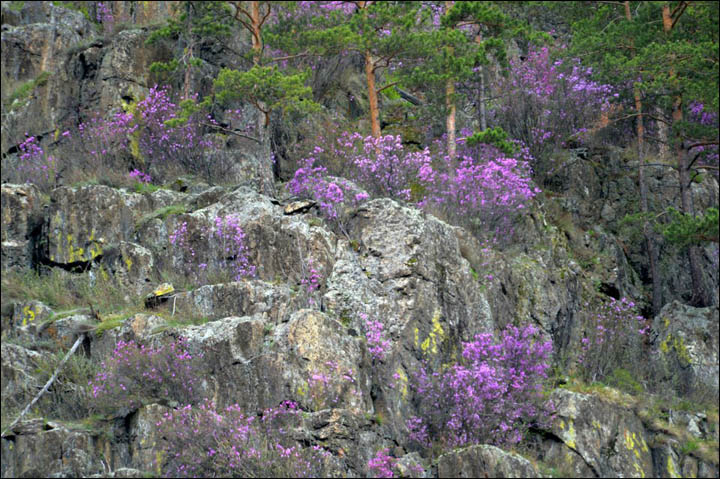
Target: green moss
21,94
144,188
622,379
163,213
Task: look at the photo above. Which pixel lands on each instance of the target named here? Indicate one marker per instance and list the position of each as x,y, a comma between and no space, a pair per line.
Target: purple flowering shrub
135,374
35,165
106,141
311,181
377,344
547,102
481,187
492,395
483,190
228,237
140,177
164,141
158,135
329,384
614,338
206,441
311,280
381,464
384,465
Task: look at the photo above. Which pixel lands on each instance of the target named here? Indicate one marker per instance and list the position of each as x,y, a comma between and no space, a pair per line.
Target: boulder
21,217
685,343
484,461
608,436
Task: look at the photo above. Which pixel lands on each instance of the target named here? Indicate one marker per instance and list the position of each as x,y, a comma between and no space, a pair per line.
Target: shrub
381,464
378,346
547,102
34,165
482,188
330,383
206,442
492,395
230,238
614,338
137,373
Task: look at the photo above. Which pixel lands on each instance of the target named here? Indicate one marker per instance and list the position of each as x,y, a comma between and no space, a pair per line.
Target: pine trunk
450,120
372,95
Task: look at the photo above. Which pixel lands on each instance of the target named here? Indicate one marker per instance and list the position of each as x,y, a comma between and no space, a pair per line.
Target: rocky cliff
265,338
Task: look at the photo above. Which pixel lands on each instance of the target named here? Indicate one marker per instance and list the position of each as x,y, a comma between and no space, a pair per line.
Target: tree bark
650,245
372,95
481,100
256,37
450,120
699,298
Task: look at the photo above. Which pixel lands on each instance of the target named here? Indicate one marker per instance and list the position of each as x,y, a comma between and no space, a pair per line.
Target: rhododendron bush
492,395
207,441
545,102
481,184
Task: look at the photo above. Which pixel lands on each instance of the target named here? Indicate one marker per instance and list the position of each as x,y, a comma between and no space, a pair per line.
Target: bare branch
232,132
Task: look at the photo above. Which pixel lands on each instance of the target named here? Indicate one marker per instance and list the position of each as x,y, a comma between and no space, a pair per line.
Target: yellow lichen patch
302,390
165,288
629,443
104,274
666,321
672,470
638,470
570,435
74,254
128,263
417,337
95,249
402,377
436,335
28,315
673,342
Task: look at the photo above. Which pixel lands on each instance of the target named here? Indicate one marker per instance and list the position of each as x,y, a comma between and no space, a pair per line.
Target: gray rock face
610,439
82,221
484,461
50,450
21,215
685,342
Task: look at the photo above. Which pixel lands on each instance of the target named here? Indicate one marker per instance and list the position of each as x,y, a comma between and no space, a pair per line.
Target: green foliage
81,7
196,23
623,380
663,66
19,96
267,88
62,290
496,137
687,229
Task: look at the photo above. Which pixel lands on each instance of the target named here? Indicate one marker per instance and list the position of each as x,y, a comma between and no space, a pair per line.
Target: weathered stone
51,451
239,298
81,222
298,207
685,341
21,216
63,332
610,438
19,381
30,313
484,461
